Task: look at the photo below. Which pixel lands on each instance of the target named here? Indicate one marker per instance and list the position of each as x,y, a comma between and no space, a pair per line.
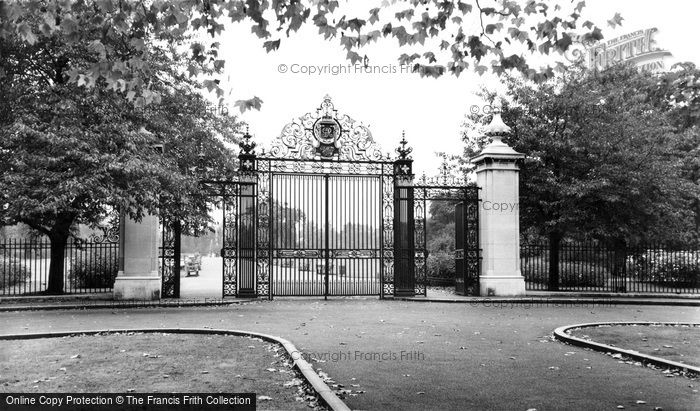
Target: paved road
455,356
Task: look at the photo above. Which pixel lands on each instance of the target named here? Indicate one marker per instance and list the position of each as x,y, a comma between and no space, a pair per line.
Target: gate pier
138,277
404,224
497,174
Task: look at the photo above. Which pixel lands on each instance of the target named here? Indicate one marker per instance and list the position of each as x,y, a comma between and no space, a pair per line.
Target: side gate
467,254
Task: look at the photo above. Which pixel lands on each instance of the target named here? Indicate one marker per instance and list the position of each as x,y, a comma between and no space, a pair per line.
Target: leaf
260,31
219,65
353,57
564,42
405,14
192,70
616,20
271,45
26,33
374,15
387,29
355,24
463,7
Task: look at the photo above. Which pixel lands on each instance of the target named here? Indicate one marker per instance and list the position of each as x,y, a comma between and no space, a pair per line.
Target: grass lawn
675,343
137,362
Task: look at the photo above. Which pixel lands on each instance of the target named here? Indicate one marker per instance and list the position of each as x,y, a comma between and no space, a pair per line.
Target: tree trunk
619,269
58,248
554,242
58,235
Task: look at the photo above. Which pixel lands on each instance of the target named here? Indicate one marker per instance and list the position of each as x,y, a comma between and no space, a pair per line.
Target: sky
430,111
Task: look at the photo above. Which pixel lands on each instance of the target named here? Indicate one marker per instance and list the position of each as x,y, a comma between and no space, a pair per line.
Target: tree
440,231
70,153
602,160
678,93
503,33
287,222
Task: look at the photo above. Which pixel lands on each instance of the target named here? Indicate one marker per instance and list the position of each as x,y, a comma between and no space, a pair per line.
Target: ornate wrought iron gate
467,251
169,255
324,224
325,213
446,187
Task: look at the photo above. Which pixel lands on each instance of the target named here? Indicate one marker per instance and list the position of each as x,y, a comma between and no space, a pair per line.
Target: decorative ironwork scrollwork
247,145
230,243
326,135
403,151
445,177
168,258
109,234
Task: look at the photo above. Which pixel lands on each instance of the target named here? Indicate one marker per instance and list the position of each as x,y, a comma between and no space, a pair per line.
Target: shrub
441,265
94,269
680,268
12,272
535,269
571,273
582,274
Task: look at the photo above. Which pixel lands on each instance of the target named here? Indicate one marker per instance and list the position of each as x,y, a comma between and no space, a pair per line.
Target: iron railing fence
89,266
592,267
